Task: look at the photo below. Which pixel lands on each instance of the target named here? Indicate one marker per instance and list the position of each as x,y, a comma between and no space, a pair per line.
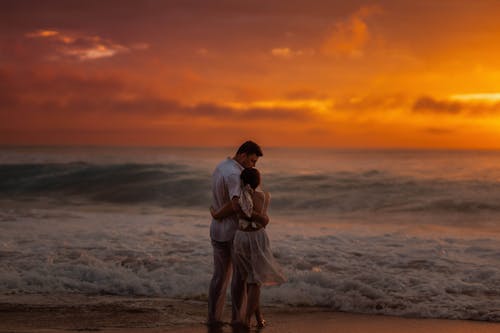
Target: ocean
397,232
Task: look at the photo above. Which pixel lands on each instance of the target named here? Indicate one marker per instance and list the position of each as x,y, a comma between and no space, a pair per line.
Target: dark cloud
31,87
228,20
426,104
72,96
128,8
220,24
438,130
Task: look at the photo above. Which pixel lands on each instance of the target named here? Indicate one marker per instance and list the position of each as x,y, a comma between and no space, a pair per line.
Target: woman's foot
259,318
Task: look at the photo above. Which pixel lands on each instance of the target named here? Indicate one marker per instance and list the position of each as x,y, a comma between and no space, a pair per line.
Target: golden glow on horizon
481,97
316,105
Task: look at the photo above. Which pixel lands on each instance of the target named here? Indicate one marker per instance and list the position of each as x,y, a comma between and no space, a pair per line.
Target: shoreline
85,313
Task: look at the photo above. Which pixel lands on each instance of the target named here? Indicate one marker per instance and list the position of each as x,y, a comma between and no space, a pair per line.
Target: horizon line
395,148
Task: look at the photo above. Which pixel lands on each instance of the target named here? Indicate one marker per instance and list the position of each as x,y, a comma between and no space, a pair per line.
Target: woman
252,250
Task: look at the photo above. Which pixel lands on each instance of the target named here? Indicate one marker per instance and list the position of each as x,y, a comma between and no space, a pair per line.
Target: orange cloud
202,51
350,36
92,52
80,46
285,52
42,33
281,52
372,103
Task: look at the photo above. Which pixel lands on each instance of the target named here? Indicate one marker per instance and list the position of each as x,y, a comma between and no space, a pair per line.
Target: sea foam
157,253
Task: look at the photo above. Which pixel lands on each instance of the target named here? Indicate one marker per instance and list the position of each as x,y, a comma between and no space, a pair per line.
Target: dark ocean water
335,182
413,233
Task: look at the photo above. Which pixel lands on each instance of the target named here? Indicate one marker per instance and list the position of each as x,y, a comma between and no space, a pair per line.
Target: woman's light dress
252,249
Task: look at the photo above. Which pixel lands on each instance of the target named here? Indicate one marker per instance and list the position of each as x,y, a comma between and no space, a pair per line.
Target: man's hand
261,219
236,206
212,212
230,208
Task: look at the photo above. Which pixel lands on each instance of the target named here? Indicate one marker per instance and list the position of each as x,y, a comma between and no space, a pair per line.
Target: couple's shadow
232,329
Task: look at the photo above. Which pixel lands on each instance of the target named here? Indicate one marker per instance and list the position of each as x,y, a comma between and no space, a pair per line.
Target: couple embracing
239,240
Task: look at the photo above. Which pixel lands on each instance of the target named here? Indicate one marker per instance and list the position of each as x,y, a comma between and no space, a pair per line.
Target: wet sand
102,313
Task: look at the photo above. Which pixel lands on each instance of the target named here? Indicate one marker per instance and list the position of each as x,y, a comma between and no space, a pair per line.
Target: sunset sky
315,73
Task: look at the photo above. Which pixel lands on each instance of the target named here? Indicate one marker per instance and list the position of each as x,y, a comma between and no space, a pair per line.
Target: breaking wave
181,185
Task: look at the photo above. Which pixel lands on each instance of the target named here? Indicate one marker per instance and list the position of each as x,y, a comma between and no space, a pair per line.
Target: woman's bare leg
258,316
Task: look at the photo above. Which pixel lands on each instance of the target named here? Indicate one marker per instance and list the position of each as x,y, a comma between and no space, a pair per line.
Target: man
226,187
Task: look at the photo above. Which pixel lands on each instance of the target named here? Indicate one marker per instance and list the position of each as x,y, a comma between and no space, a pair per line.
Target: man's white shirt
225,185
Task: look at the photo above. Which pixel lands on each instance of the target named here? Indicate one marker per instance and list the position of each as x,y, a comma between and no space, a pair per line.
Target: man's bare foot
215,323
239,327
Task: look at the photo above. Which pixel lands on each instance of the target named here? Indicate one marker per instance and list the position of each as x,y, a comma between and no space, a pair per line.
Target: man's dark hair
250,148
250,176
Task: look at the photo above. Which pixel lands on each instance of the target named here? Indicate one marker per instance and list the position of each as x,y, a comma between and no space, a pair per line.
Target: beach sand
102,313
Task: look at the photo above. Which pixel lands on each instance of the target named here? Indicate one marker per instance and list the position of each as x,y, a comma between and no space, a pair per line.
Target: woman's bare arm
261,202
